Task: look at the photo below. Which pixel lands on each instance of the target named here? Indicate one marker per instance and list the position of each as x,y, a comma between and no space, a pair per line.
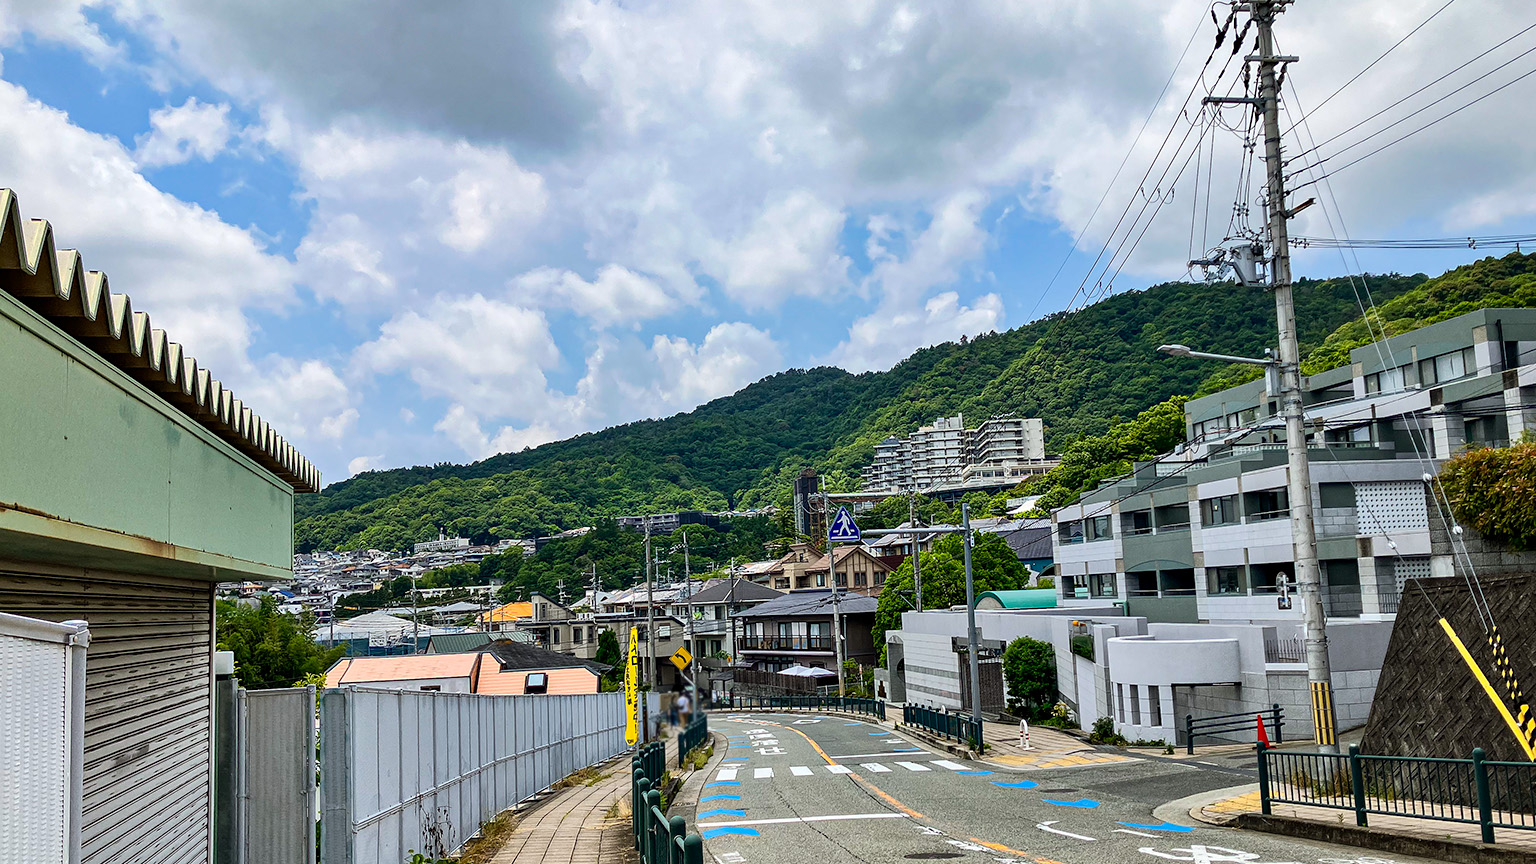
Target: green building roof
1028,598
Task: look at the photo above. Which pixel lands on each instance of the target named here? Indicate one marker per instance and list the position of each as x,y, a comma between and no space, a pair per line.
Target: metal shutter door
148,706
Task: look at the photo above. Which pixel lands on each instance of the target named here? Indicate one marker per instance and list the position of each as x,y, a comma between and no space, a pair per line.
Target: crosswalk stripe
913,766
726,774
945,763
762,773
800,771
839,769
875,768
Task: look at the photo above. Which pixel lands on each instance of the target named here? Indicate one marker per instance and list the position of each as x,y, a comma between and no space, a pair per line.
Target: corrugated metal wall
279,798
148,706
414,770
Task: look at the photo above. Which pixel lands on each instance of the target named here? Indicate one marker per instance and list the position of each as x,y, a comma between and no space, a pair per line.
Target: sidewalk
1049,748
573,825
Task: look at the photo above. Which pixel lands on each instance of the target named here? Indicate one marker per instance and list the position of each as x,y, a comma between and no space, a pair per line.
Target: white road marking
914,753
762,773
788,819
913,766
839,769
1135,833
875,768
727,774
953,766
1046,826
800,771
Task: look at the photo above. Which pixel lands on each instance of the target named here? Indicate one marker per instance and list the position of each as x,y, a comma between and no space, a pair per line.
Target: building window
1226,580
1336,494
1447,367
821,580
1070,533
879,577
536,682
1155,704
1388,381
1136,522
1219,511
781,583
1268,504
1102,584
860,579
1097,528
1174,517
1136,704
433,688
1120,700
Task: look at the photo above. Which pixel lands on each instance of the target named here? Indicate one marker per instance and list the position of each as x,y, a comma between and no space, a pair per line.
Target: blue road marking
908,750
720,798
737,759
881,733
1081,803
722,783
721,811
1166,826
974,773
854,723
1022,784
711,833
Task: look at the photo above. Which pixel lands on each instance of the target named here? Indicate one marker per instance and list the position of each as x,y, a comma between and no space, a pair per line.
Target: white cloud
791,248
363,463
617,295
626,378
881,340
936,255
192,130
63,23
462,427
476,351
304,401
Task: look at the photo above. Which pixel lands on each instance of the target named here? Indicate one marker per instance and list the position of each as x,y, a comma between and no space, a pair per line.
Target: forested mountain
1080,371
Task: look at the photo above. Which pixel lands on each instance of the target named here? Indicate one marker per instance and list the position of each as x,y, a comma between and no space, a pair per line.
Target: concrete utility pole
688,640
917,549
837,618
1303,530
970,615
650,612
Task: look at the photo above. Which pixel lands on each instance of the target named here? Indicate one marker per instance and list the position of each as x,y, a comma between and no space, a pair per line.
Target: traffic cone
1263,736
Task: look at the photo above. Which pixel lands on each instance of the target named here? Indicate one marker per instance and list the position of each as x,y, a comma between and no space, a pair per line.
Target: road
797,789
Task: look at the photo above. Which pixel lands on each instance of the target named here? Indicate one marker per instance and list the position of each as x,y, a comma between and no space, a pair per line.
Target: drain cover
932,856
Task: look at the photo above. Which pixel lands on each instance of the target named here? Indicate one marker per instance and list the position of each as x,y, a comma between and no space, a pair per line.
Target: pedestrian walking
684,707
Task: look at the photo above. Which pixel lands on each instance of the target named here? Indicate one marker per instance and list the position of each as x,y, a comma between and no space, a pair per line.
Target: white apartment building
946,457
443,543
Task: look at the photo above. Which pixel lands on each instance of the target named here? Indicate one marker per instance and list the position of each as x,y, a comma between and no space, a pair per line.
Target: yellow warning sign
681,659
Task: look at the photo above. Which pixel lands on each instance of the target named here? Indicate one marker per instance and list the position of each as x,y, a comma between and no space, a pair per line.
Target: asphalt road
797,789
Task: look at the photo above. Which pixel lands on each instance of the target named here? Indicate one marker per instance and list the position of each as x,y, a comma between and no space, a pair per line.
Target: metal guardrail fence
406,769
961,727
1471,791
659,840
846,704
1225,724
691,736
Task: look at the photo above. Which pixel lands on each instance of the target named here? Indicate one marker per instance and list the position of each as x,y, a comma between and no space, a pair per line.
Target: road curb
1382,841
1189,806
932,740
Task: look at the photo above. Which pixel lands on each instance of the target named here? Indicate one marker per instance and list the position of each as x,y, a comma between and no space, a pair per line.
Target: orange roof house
449,673
505,617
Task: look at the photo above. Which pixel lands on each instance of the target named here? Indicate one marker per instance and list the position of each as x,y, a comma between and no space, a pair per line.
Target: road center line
788,819
905,754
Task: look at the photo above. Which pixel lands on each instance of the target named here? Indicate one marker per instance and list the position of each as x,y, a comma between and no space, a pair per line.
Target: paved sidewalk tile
1049,748
1227,810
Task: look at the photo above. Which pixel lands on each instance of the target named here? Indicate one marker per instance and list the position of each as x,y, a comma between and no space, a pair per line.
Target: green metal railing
1223,725
659,840
691,736
845,704
1471,791
961,727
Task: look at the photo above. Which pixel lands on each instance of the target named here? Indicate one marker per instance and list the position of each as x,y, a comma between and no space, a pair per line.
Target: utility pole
1303,530
650,612
688,640
415,618
970,615
837,618
917,550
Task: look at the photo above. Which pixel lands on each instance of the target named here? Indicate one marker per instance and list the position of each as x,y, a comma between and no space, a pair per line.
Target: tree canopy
1029,668
1493,490
994,567
272,648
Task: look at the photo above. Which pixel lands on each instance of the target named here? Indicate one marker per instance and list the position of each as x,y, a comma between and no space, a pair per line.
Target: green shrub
1493,490
1103,732
1029,668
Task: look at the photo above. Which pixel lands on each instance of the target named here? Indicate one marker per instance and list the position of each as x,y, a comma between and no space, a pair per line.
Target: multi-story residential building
796,630
666,523
938,453
859,568
443,543
946,459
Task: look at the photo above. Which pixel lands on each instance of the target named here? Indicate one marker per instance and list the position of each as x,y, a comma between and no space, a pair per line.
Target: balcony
777,642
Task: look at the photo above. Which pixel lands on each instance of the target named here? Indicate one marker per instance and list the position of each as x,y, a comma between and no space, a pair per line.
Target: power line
1369,66
1315,147
1494,241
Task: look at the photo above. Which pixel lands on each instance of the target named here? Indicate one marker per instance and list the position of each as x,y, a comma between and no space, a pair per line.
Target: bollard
1263,779
677,829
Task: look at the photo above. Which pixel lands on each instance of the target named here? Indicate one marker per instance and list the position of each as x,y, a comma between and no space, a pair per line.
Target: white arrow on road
1046,826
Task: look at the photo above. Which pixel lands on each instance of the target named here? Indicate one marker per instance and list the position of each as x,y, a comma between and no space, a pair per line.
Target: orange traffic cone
1263,736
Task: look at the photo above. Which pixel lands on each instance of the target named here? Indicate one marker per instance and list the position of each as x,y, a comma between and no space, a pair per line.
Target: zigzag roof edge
55,283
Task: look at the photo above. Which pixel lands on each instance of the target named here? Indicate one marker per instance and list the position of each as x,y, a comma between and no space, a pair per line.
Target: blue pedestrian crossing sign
843,528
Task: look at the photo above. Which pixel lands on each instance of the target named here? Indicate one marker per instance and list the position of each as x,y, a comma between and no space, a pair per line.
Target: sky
411,233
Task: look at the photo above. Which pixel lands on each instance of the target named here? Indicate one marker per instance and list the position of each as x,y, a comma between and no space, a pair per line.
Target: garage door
148,706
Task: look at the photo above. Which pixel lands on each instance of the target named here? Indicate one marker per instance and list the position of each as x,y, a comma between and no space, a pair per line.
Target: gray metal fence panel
423,770
279,797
